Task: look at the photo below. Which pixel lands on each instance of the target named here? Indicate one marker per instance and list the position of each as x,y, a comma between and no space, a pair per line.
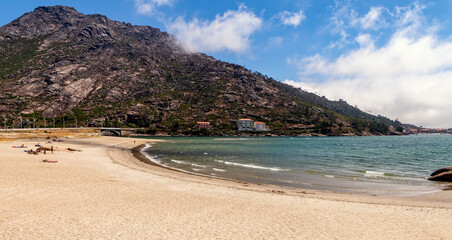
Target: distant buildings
203,125
259,126
411,131
246,124
427,131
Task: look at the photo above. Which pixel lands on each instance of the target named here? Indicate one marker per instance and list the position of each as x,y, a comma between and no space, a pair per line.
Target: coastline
439,198
105,192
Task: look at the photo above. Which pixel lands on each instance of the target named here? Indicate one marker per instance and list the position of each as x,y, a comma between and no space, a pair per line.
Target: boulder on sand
442,174
441,170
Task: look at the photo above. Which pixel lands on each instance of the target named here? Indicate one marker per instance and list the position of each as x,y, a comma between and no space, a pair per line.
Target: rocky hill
57,64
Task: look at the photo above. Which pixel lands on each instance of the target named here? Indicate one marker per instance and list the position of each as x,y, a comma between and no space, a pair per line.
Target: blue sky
390,58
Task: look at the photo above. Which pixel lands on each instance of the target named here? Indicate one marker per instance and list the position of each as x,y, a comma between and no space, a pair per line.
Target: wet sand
104,192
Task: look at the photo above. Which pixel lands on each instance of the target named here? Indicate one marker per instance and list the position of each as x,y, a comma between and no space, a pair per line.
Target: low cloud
228,32
148,7
409,77
291,18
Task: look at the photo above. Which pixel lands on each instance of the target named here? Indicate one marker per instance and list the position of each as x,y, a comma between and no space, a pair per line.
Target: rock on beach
442,174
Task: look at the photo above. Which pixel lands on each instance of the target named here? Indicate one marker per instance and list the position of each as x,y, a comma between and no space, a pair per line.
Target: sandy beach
104,192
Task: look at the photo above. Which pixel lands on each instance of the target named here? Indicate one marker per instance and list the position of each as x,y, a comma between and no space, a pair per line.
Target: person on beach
51,148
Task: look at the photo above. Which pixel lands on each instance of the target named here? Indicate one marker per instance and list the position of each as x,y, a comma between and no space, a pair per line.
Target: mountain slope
58,63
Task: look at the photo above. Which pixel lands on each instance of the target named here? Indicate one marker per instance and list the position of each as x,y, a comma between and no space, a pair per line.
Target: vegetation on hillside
61,68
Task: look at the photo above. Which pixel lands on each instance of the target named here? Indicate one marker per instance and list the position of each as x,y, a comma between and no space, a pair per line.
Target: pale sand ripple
103,192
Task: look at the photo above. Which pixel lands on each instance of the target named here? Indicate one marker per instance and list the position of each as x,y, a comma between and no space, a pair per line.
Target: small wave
196,169
179,161
149,156
329,176
254,166
219,170
374,174
197,165
219,161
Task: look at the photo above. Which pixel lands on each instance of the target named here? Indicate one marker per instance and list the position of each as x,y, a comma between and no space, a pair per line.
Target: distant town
244,124
427,130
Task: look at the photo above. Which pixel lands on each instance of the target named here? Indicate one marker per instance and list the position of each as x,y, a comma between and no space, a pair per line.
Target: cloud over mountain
230,31
147,7
408,77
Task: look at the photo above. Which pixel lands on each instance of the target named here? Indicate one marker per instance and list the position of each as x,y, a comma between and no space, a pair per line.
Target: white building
245,124
259,126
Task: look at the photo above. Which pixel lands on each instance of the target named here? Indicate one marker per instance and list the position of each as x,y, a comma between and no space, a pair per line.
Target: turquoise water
384,165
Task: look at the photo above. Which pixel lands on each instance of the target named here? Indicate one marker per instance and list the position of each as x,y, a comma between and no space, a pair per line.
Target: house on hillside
203,125
259,126
245,124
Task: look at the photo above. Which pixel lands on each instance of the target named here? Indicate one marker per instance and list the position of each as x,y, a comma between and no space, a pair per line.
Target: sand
104,192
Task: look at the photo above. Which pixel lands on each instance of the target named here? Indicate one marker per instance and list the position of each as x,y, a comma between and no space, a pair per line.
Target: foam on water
219,170
180,162
255,166
197,165
145,151
374,174
276,169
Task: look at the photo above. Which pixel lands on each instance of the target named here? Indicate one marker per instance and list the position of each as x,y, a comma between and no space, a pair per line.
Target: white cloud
409,77
372,20
147,7
365,40
230,31
345,20
291,18
340,22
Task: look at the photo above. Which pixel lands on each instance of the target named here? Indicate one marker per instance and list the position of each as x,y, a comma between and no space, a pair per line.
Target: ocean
381,165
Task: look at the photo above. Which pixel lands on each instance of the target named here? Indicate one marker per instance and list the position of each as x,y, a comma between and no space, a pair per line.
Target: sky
389,58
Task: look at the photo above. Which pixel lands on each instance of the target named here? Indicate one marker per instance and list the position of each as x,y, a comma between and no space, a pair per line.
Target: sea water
383,165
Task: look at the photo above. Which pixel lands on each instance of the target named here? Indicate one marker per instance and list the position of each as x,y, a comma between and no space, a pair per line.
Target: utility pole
34,122
63,123
53,122
76,122
21,126
4,120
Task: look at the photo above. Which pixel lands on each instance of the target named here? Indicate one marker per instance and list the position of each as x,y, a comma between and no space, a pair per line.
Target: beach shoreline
423,199
104,191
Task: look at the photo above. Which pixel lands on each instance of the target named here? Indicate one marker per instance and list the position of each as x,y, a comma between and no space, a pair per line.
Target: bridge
119,132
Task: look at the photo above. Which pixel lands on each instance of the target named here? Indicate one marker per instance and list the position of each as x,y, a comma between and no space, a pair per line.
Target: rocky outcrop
442,175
